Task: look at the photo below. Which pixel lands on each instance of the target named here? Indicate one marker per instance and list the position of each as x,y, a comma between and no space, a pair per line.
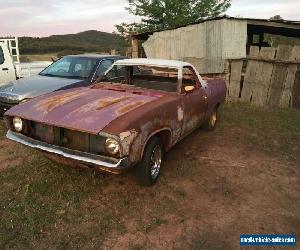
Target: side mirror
189,89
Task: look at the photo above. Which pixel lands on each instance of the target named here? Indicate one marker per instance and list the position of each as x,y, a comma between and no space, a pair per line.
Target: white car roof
153,62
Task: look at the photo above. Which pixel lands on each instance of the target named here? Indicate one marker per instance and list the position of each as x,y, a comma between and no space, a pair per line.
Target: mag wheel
211,123
149,168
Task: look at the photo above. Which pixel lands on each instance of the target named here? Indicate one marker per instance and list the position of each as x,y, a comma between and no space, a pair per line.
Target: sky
43,18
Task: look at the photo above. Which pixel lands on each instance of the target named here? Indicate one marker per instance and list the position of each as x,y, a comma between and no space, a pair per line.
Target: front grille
4,107
67,138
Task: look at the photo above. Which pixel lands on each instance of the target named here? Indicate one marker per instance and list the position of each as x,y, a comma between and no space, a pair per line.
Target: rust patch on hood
101,104
83,109
110,101
52,102
130,106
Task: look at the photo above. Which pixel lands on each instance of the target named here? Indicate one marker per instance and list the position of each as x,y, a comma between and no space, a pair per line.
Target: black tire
211,122
144,168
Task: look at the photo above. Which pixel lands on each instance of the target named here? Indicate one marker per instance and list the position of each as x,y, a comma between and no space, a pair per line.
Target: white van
10,66
7,67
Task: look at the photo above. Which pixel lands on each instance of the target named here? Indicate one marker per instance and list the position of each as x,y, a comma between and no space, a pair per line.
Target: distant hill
87,41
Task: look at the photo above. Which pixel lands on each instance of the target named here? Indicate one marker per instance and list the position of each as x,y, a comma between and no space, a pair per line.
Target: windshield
148,77
71,67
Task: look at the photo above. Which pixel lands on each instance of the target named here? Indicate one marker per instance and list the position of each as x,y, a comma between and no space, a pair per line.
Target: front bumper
111,164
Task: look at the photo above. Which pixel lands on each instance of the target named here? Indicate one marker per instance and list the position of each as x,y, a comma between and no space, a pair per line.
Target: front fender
148,130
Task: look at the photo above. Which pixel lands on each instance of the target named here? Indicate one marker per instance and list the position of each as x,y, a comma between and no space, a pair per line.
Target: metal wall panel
206,45
234,39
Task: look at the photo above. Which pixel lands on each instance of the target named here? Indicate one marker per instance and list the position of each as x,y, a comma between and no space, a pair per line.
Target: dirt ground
214,186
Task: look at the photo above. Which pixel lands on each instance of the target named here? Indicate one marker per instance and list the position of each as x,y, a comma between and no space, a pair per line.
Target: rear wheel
149,168
211,123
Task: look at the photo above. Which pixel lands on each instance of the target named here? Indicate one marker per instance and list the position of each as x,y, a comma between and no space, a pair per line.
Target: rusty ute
139,110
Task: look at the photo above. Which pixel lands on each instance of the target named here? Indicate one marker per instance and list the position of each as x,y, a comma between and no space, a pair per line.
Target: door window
104,65
1,56
189,79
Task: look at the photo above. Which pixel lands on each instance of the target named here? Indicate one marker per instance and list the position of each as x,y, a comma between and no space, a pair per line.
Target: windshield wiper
49,75
60,76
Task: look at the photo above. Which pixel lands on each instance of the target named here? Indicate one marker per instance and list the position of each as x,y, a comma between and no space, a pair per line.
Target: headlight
18,124
112,146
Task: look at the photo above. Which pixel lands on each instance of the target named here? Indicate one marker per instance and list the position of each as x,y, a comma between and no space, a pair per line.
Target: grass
2,128
199,243
41,57
46,205
38,194
153,223
276,131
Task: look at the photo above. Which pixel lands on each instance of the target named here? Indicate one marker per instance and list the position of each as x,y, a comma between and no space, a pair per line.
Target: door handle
5,69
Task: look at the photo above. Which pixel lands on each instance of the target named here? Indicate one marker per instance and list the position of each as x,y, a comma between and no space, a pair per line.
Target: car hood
33,86
83,109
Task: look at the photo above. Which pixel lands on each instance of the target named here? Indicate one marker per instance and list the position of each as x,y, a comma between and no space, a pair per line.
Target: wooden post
250,75
296,90
113,52
227,77
291,91
279,75
263,75
135,47
128,52
235,80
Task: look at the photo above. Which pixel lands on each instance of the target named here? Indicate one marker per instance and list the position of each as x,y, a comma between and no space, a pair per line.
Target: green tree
161,14
125,29
276,18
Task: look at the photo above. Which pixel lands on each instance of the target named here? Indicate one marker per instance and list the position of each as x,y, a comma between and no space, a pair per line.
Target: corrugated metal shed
206,45
292,27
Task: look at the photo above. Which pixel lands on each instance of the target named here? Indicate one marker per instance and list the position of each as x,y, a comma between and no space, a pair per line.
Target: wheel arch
164,135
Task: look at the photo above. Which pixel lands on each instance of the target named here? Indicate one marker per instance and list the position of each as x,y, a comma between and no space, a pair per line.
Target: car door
194,101
7,69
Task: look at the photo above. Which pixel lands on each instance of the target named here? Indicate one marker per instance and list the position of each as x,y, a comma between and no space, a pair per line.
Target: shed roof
268,23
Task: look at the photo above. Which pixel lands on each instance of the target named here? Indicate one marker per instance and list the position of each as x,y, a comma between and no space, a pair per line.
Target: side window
83,67
121,72
189,77
104,65
1,56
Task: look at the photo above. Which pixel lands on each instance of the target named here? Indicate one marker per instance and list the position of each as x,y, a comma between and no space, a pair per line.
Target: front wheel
149,168
211,123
